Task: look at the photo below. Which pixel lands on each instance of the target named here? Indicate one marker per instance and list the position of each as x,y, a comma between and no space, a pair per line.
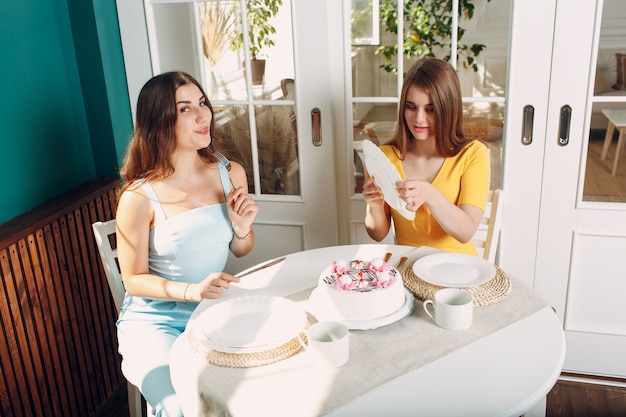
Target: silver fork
224,161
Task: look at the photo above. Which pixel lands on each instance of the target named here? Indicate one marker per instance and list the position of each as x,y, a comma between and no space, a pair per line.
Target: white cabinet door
576,255
528,89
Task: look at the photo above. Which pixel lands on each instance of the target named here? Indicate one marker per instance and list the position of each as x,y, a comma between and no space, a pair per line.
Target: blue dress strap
154,200
224,178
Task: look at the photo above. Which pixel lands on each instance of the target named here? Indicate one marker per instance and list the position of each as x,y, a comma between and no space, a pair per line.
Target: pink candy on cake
359,274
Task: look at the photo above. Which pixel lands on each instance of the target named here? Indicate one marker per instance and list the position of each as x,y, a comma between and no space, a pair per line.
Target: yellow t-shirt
462,179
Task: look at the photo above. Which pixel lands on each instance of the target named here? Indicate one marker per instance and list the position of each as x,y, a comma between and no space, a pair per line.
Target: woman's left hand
413,192
242,209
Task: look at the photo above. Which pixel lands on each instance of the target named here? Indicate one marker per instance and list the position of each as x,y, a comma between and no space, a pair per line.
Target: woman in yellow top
445,175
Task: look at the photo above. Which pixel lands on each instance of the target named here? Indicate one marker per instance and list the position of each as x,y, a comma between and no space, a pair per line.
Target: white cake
360,290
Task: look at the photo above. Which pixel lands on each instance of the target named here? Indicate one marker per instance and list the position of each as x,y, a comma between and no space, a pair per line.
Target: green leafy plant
427,30
261,32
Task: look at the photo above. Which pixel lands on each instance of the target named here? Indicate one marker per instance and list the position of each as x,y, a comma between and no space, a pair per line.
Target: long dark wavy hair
439,79
153,142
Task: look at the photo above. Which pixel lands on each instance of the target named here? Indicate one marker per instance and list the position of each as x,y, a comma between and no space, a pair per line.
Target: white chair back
105,240
487,236
104,233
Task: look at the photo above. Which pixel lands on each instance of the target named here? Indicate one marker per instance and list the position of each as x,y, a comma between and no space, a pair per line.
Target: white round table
506,373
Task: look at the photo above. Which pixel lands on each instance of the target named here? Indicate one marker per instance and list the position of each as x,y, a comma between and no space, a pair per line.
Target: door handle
565,119
316,122
528,122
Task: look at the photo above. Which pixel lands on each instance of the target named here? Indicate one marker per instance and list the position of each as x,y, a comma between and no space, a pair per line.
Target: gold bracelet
185,293
242,237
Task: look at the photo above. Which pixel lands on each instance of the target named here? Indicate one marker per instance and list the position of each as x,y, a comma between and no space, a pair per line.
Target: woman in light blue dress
177,219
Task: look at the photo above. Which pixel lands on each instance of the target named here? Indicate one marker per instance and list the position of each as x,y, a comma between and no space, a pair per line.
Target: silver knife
258,268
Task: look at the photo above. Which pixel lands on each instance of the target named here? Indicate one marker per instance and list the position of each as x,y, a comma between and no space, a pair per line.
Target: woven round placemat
247,360
492,291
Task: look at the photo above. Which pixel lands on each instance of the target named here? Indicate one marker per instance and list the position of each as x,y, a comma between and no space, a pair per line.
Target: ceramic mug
328,343
452,308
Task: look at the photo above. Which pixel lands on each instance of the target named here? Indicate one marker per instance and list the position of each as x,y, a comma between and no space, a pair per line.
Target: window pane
365,22
605,172
378,124
232,125
277,145
483,73
371,40
220,24
605,167
224,47
368,78
174,39
485,121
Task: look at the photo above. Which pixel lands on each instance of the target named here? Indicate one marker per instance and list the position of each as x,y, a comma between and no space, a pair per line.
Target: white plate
454,270
321,313
250,324
385,176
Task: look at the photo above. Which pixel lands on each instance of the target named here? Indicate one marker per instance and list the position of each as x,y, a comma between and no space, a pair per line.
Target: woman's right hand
371,192
211,287
377,218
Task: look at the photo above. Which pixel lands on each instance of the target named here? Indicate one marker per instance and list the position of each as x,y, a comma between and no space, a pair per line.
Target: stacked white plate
249,324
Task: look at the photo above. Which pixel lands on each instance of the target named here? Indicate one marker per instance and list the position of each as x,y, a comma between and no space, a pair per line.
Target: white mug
328,343
452,308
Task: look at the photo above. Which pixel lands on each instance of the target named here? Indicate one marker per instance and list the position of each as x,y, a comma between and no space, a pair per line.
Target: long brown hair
149,152
439,80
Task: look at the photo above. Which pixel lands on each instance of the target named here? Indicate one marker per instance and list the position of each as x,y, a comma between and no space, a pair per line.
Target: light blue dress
184,248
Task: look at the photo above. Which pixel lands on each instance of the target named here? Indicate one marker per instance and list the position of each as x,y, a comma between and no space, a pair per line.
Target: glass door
474,38
561,233
254,110
272,113
582,228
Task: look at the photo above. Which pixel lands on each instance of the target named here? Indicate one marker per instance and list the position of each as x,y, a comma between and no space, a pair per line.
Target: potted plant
427,30
260,34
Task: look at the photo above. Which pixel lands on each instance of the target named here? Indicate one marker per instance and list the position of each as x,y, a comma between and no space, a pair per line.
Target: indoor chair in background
487,236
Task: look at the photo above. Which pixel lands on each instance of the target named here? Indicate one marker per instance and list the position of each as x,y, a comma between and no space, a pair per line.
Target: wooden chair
105,240
287,85
487,236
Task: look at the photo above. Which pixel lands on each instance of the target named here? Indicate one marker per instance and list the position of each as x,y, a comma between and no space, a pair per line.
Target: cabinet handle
316,121
527,128
564,122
